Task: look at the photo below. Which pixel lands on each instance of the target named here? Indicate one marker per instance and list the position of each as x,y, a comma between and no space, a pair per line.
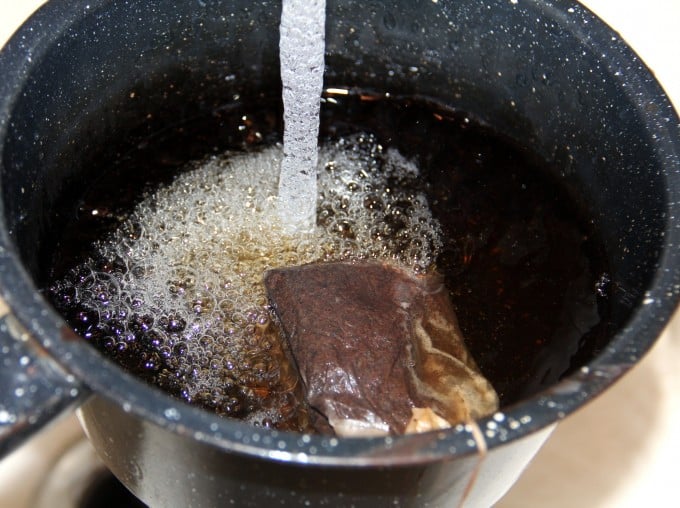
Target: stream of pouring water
301,47
301,50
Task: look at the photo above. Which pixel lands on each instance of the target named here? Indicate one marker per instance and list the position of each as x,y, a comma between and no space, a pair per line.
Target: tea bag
379,350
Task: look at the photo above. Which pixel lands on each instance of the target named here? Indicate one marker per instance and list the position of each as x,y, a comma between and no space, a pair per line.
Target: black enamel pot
548,73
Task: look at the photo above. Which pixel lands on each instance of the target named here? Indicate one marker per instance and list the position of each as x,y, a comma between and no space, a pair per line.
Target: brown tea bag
379,350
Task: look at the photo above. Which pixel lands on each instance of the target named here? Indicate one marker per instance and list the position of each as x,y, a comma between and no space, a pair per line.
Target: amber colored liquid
520,258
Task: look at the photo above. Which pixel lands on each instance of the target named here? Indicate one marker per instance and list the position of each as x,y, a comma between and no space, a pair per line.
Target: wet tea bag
378,349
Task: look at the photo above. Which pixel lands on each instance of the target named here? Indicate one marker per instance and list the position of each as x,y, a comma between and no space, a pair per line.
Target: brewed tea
155,278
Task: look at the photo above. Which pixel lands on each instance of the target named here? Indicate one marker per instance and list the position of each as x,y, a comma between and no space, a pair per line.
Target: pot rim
106,379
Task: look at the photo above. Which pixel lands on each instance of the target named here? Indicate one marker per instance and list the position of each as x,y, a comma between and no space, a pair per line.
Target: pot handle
34,389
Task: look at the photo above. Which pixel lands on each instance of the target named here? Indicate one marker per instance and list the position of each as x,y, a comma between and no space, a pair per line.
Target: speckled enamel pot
548,72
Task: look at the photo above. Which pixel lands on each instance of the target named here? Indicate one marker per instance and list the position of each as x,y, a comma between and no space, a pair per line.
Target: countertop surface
623,449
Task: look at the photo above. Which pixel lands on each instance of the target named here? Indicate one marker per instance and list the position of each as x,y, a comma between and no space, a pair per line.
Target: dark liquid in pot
524,266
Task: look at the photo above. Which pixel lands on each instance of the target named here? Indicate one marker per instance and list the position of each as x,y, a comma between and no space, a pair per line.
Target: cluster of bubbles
372,205
175,294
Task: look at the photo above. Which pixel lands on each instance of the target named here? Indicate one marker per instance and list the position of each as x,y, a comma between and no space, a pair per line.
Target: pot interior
126,76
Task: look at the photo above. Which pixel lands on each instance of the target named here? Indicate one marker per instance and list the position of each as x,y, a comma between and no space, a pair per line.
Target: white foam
204,241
